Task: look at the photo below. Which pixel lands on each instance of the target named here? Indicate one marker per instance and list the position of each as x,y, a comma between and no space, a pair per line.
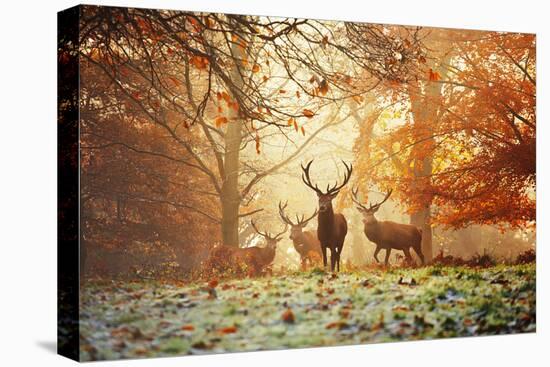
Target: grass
305,309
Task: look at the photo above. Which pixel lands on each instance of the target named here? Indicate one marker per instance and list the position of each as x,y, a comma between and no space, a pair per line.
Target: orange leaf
188,327
433,75
336,325
308,113
291,121
323,87
298,93
199,62
226,97
295,125
257,139
220,121
255,68
213,283
288,316
303,131
228,330
282,91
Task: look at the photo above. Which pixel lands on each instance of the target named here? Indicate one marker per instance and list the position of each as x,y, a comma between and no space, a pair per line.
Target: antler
376,206
299,220
347,176
330,190
303,221
266,234
282,214
355,199
276,237
263,234
307,180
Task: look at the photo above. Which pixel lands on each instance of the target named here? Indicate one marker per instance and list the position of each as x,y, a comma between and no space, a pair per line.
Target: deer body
254,259
332,228
389,235
331,231
305,243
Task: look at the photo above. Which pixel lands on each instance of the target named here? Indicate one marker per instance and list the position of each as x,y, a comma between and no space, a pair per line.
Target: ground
149,318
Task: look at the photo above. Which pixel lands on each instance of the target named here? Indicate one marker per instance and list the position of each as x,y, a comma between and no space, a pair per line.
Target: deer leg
408,256
418,251
324,253
376,254
388,252
333,255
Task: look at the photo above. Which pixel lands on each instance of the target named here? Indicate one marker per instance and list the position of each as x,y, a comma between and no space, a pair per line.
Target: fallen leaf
288,316
308,113
228,330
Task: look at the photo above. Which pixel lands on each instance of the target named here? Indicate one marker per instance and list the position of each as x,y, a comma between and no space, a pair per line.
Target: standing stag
263,256
389,235
331,227
254,259
305,242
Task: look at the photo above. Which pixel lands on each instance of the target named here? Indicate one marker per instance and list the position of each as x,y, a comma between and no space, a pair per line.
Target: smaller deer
389,235
263,256
254,259
305,243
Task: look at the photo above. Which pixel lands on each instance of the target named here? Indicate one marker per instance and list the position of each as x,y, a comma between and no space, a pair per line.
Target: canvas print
235,183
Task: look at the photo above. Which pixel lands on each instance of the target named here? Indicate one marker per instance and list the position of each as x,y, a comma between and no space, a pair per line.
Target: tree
218,85
459,141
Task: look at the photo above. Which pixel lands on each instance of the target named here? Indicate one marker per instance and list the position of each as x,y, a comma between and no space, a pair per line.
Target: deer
388,235
305,243
331,227
255,259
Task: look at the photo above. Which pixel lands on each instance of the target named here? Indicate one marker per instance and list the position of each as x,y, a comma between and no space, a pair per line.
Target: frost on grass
147,319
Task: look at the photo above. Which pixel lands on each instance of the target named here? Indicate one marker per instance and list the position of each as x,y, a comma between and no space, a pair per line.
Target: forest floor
304,309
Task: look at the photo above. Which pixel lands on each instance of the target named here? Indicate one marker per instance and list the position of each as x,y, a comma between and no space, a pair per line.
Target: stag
331,227
255,259
305,243
386,234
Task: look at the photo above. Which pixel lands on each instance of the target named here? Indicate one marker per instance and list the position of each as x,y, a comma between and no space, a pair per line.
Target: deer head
271,240
295,227
325,198
368,213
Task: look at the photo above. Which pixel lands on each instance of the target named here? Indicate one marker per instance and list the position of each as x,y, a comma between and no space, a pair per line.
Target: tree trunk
421,219
425,115
230,196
